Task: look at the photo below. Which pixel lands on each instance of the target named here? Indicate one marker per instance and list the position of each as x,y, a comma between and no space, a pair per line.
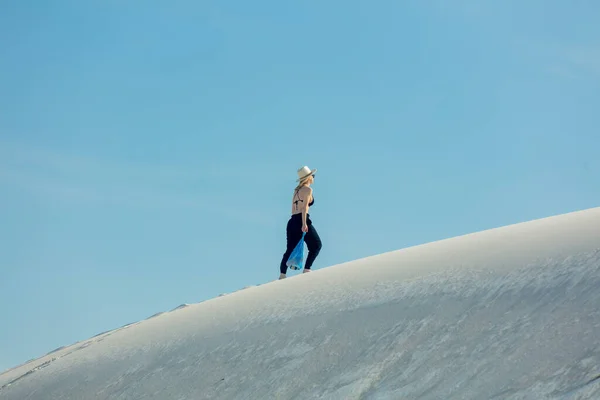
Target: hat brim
312,172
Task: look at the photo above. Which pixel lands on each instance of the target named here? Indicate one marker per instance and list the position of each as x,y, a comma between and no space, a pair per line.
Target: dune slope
508,313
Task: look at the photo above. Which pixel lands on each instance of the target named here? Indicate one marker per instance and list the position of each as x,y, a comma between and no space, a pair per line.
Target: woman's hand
304,228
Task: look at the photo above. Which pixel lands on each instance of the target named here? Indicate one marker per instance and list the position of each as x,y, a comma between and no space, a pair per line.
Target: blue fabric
296,259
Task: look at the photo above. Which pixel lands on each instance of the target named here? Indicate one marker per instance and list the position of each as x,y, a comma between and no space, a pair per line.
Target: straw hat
304,173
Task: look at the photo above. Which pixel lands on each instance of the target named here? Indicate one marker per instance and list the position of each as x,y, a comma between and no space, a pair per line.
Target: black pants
294,234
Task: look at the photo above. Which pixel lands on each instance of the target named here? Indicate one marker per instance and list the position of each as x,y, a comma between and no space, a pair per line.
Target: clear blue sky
148,151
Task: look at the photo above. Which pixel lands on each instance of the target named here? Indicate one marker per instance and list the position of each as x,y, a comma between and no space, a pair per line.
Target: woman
300,222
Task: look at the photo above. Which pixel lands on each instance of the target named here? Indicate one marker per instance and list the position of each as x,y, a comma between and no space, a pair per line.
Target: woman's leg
293,236
313,242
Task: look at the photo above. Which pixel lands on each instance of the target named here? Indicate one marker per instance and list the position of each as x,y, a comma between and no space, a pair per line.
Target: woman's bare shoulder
305,190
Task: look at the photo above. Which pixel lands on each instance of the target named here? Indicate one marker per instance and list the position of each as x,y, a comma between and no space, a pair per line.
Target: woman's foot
305,270
281,276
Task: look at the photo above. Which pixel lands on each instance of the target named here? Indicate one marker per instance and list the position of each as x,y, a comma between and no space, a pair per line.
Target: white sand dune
508,313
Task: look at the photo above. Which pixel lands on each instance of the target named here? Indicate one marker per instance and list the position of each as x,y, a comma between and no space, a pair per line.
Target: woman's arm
305,209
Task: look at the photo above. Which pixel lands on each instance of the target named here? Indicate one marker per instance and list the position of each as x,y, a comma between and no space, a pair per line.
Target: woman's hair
302,182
